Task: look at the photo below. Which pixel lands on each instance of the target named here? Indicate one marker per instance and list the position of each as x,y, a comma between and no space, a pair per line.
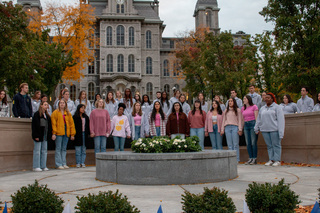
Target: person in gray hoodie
185,106
256,98
316,107
305,104
271,123
288,106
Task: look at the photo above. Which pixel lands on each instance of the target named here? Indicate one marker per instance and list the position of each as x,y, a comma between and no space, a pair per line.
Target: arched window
120,63
149,90
166,88
208,19
120,8
73,92
166,68
91,91
91,67
109,63
61,87
176,69
131,36
120,35
149,65
148,39
109,36
133,90
131,63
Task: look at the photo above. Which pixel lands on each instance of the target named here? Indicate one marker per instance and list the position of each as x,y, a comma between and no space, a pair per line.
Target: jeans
200,133
232,136
251,138
215,138
100,144
61,150
137,132
40,154
81,151
119,141
158,131
273,145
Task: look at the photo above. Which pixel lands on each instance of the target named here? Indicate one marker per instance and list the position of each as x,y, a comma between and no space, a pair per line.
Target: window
120,8
109,36
91,67
149,90
176,69
166,88
172,44
148,39
91,39
120,35
166,68
120,63
73,92
109,63
131,63
61,87
208,18
91,91
131,36
177,87
149,65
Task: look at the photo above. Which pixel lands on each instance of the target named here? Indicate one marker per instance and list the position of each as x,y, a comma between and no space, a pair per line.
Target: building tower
206,15
30,5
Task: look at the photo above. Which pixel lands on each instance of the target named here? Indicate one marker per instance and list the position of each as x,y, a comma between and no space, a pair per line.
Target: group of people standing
135,117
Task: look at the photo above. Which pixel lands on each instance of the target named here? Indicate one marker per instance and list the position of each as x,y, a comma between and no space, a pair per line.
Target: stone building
132,52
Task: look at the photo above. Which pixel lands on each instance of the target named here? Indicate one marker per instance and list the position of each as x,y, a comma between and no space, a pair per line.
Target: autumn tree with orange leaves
72,26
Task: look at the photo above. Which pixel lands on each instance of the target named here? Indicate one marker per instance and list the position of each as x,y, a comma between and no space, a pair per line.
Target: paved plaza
74,182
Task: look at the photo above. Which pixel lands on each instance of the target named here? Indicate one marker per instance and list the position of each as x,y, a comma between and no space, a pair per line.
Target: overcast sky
234,15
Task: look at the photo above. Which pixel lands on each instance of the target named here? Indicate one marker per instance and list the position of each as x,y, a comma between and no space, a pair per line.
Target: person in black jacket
41,133
21,106
81,139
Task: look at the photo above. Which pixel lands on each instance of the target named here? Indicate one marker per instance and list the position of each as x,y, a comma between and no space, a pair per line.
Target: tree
297,33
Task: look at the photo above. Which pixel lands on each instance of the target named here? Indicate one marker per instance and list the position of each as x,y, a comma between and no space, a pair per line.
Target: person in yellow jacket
62,129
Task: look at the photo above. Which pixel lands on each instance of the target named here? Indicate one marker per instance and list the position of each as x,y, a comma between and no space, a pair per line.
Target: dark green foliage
275,198
105,202
212,200
36,198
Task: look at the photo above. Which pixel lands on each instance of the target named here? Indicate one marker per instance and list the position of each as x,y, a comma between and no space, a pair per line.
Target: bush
165,145
36,198
212,200
105,202
277,198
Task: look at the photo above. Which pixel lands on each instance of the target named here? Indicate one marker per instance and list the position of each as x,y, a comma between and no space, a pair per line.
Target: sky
234,15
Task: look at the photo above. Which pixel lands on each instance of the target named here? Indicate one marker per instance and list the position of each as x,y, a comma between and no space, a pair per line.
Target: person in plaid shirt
157,121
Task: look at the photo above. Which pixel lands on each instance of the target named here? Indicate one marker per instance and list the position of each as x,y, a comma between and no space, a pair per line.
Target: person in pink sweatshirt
232,125
100,126
197,120
120,128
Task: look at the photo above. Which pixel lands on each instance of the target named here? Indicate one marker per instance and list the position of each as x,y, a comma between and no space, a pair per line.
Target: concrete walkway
74,182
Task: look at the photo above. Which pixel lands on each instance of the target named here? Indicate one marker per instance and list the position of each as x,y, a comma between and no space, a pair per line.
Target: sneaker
45,169
249,161
269,163
277,163
60,167
37,170
66,167
83,165
254,161
78,165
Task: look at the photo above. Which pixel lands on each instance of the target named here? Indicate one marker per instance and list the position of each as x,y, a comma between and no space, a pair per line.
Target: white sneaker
277,163
66,167
45,169
269,163
60,167
249,161
78,165
37,170
254,161
83,165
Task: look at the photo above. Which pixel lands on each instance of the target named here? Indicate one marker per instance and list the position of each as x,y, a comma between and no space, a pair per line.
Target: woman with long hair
165,103
82,99
177,124
271,123
316,107
204,104
146,105
232,125
197,121
250,113
138,122
185,106
111,105
96,97
62,129
56,102
157,121
4,106
137,98
288,106
44,98
213,125
118,97
41,133
176,97
128,101
222,106
35,101
81,139
120,128
100,126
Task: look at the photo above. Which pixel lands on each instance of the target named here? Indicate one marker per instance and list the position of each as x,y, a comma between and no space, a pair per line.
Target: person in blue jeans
82,125
213,125
197,120
232,125
250,113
